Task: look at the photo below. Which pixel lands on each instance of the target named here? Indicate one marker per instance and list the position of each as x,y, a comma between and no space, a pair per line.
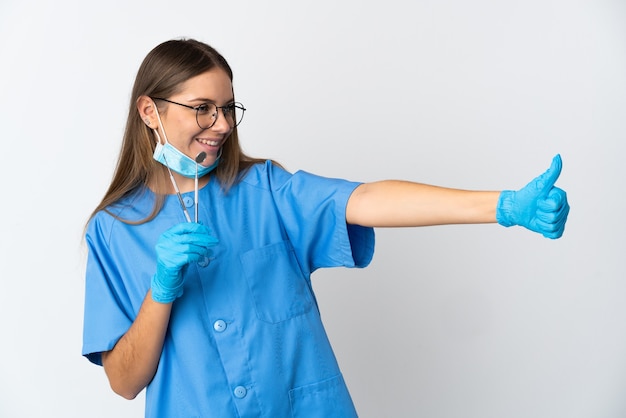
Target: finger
546,181
551,224
549,229
562,216
185,254
187,228
554,201
201,238
211,241
195,253
552,210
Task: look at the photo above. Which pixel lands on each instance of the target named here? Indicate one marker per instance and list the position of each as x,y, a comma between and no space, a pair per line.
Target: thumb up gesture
539,206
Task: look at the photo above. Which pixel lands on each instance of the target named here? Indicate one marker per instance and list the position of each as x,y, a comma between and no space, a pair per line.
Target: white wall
457,321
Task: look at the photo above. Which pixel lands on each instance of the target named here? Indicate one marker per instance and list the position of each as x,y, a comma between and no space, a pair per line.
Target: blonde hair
161,74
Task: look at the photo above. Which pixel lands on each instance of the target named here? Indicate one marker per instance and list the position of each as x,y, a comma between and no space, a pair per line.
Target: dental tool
199,159
180,198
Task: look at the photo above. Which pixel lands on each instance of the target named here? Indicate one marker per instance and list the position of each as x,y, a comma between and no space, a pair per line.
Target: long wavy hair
162,74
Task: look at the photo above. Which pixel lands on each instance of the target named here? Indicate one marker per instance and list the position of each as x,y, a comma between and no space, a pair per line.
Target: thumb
545,182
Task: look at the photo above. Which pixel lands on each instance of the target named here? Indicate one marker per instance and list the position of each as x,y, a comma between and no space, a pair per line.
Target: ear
146,109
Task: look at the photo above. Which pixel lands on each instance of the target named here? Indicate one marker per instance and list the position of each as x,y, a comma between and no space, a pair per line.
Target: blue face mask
178,162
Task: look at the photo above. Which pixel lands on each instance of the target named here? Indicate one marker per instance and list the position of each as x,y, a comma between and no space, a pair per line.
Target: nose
221,123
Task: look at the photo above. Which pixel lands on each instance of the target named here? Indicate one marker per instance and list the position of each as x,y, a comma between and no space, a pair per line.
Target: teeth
206,142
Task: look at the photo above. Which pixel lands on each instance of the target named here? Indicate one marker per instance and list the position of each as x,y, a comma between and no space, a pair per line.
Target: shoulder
99,228
270,172
265,175
133,207
274,179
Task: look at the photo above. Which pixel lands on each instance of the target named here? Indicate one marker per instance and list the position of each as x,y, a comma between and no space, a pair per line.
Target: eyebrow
205,100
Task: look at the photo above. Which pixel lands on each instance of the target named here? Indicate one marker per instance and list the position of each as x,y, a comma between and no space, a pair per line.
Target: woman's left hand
539,206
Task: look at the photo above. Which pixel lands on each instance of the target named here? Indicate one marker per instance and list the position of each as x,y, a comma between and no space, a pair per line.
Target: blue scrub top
245,339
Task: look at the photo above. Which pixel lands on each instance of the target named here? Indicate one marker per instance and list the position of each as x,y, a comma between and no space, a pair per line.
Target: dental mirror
199,159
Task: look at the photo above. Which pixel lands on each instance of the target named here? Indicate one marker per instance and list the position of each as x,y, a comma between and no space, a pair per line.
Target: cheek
188,129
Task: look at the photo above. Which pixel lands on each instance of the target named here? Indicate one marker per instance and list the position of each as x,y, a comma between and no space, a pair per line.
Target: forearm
132,363
393,203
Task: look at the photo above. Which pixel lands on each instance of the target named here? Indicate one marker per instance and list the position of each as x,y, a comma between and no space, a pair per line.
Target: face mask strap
160,125
157,136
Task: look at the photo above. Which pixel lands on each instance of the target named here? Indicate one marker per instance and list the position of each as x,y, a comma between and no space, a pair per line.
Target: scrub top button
188,201
240,392
219,326
204,261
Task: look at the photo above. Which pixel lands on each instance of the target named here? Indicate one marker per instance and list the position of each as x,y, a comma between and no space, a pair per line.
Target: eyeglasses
207,113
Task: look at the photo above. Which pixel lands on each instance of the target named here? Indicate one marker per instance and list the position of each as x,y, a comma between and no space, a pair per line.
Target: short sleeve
106,313
313,212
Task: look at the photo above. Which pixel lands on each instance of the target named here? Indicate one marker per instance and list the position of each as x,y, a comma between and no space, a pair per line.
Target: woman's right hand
178,246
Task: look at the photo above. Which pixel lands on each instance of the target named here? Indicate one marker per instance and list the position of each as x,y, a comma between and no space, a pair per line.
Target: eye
204,109
229,109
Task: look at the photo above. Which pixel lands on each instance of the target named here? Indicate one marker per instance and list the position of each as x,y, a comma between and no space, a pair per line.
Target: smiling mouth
208,142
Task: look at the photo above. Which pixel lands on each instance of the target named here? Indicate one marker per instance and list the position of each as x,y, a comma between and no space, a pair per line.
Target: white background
454,321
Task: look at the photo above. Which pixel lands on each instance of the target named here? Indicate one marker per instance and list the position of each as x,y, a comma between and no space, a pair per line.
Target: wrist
166,288
505,208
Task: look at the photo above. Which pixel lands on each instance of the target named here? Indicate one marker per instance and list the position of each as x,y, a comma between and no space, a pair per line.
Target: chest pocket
326,399
279,289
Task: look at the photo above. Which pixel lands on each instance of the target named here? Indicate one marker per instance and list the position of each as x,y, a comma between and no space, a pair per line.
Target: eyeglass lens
207,114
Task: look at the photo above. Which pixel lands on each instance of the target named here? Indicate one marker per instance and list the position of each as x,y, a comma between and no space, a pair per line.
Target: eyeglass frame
236,105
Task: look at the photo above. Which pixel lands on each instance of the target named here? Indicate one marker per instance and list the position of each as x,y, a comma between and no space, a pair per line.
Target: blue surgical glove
178,246
539,206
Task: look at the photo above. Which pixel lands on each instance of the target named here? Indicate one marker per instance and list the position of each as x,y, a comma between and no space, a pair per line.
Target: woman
198,276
